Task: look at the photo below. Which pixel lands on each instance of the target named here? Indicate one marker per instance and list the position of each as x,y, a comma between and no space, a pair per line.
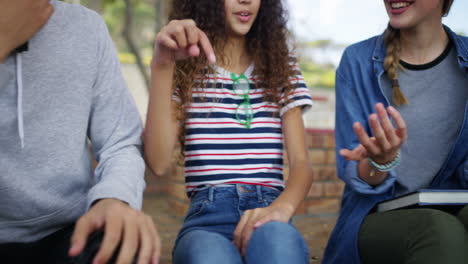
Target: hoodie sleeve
114,130
350,109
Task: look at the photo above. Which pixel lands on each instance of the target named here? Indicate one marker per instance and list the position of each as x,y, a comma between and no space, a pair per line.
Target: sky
348,21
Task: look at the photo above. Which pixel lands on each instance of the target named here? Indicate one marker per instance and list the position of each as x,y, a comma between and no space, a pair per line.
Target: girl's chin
400,23
238,32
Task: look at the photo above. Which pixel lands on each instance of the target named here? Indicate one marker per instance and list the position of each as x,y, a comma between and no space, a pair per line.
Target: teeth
399,5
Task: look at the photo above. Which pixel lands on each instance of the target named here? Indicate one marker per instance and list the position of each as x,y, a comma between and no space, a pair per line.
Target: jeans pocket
195,209
270,195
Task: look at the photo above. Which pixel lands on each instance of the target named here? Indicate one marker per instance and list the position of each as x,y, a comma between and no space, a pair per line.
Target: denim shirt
358,89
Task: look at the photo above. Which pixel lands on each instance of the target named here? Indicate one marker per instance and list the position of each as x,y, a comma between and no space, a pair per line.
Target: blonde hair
392,60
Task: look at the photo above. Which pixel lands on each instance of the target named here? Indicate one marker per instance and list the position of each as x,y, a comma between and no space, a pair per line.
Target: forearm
297,187
121,177
161,126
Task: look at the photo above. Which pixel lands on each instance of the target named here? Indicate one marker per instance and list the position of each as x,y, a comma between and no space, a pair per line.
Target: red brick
316,190
315,140
334,189
323,206
327,173
316,176
150,178
317,156
177,190
301,209
178,172
329,141
179,208
154,189
331,157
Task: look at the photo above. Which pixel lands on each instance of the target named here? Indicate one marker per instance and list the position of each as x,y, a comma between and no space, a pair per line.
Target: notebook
426,197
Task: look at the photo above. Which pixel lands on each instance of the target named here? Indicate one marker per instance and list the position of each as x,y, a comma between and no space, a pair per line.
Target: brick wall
324,195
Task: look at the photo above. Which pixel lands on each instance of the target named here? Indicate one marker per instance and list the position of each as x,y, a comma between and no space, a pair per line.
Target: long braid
392,63
392,60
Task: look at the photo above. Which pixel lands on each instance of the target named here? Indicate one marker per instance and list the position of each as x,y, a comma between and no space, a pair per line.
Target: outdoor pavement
315,230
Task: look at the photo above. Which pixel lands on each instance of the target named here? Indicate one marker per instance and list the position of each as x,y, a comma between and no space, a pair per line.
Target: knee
194,243
278,235
442,229
205,247
276,229
463,216
277,242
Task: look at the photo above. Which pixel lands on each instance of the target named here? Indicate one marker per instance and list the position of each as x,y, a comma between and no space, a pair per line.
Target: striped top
220,150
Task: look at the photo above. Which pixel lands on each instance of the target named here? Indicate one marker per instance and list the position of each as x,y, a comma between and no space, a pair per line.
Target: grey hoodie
65,91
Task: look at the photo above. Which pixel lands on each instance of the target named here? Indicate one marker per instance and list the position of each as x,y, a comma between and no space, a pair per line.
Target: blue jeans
207,234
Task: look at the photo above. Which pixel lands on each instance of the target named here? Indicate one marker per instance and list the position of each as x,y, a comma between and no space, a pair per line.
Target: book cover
426,197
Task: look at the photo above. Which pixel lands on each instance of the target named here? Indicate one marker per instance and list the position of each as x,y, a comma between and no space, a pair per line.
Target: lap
52,249
422,234
200,246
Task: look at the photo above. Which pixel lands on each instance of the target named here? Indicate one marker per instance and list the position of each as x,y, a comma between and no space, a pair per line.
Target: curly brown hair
267,44
392,60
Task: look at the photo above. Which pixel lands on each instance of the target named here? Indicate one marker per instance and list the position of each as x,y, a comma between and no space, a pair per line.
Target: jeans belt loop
259,192
211,194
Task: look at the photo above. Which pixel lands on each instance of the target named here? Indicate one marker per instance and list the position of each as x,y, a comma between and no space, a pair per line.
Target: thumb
262,221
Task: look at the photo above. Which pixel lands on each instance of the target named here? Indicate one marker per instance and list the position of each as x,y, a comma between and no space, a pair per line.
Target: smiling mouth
400,5
243,14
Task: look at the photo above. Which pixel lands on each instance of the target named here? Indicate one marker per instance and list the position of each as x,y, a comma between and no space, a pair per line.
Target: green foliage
316,75
113,12
143,22
321,43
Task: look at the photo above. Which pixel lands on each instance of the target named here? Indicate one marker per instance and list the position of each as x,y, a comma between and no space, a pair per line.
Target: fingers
183,37
400,123
263,220
240,228
365,140
387,125
191,32
130,241
178,33
357,153
167,41
246,235
146,245
150,247
379,134
83,228
387,140
207,48
112,236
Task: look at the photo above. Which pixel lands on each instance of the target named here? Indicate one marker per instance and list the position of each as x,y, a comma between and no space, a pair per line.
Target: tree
128,36
133,25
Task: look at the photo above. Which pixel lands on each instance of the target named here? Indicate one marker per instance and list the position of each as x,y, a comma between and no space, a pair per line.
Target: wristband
386,167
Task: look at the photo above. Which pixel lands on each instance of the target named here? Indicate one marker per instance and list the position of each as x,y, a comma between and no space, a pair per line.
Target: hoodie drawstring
19,79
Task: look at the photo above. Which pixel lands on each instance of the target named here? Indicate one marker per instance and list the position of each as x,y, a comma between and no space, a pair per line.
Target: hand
179,40
387,140
253,219
122,224
19,21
